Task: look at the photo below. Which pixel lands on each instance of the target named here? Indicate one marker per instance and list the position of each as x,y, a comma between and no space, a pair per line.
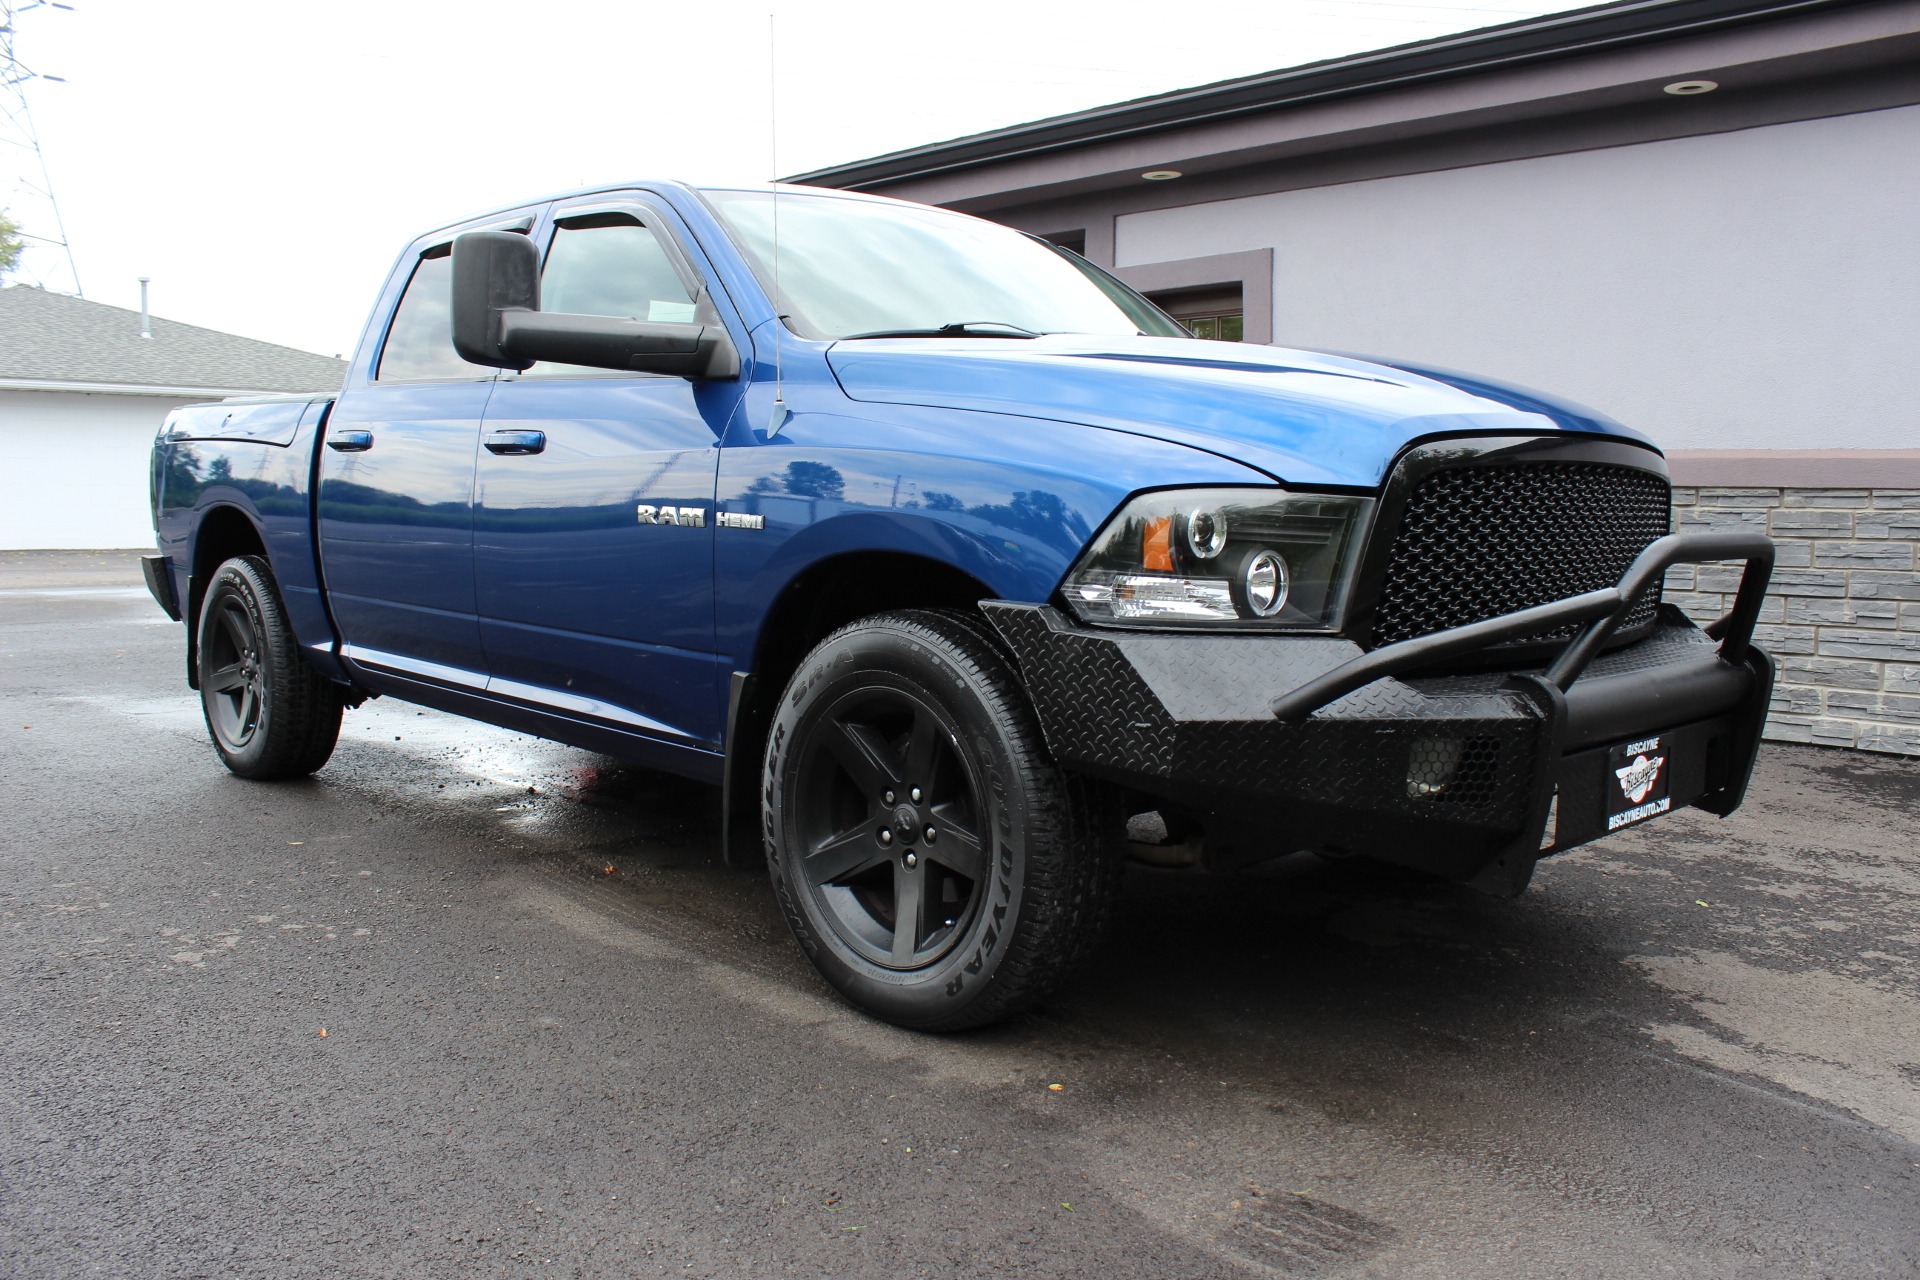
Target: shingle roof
54,337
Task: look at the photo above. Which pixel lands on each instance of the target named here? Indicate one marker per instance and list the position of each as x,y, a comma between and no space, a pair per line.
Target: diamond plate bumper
1469,776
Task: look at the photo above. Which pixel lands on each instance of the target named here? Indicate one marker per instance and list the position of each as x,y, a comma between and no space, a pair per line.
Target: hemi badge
740,520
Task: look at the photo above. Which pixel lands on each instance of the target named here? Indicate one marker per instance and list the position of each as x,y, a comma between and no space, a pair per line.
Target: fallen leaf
1699,902
1056,1088
1066,1206
323,1033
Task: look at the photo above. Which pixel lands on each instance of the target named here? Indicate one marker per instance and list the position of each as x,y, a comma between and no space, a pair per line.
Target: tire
270,715
1010,893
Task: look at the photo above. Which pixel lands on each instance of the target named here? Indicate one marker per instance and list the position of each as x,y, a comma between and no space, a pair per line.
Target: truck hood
1302,417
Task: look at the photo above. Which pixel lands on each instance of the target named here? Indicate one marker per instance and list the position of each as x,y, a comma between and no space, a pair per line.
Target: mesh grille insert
1477,542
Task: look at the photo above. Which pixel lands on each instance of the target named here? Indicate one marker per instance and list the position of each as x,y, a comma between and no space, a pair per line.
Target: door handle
350,441
516,442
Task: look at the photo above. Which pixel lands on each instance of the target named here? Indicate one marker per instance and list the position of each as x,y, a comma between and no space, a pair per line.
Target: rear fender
263,481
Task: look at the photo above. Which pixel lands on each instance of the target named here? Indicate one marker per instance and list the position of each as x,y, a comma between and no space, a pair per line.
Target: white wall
73,468
1749,290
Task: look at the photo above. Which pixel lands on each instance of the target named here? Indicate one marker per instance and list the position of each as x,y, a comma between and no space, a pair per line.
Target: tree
10,243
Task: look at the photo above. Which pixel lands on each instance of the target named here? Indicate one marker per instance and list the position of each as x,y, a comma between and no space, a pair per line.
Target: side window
420,340
611,264
608,264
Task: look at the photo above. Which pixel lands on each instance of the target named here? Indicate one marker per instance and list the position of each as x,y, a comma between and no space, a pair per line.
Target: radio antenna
773,162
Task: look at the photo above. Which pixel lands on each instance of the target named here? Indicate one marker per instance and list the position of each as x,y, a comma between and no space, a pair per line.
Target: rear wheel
270,714
935,864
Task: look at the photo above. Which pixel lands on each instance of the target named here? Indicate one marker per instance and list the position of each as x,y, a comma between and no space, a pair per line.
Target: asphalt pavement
468,1004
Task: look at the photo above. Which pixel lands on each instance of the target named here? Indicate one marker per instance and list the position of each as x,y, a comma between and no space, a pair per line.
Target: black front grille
1477,542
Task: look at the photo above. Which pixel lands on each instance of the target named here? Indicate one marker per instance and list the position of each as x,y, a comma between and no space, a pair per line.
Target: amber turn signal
1156,545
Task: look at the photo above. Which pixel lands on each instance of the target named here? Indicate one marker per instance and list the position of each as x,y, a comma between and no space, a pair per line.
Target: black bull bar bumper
1307,742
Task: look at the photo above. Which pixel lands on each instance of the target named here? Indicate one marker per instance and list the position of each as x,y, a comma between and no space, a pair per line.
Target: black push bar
1602,611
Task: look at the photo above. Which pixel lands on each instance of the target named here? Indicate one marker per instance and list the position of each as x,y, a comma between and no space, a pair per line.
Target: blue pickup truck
960,569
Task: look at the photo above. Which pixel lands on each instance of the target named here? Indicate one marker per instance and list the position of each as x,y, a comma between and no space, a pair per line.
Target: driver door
593,500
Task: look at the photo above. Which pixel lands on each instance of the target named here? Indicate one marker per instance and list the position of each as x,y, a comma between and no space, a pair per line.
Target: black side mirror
495,274
497,321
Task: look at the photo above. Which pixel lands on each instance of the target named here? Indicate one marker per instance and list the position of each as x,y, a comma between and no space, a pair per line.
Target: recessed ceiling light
1686,88
1160,175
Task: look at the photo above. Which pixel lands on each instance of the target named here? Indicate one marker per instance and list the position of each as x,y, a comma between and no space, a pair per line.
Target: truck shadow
1348,991
1349,954
1296,964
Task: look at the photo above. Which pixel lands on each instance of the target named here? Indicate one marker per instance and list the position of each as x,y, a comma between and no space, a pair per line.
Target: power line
18,133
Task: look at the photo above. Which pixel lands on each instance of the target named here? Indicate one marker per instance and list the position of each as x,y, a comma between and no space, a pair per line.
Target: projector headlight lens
1206,532
1245,559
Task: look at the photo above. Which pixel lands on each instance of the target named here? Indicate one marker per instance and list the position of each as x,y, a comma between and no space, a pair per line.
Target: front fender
1008,501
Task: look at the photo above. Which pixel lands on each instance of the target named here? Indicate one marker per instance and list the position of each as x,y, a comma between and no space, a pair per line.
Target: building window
1229,326
1215,312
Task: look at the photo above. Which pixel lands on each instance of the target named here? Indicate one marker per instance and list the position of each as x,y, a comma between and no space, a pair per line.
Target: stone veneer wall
1843,615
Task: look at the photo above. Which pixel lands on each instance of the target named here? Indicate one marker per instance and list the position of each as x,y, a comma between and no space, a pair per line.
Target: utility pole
28,192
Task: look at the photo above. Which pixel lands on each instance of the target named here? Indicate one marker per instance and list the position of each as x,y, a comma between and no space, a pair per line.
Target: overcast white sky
263,160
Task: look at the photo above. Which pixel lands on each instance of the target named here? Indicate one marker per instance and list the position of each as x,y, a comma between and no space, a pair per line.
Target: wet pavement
561,1040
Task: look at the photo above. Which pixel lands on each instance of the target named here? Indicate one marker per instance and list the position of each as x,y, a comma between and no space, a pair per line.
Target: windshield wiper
961,329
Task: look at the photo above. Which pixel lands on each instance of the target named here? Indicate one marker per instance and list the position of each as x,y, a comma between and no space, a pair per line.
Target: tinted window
610,265
420,341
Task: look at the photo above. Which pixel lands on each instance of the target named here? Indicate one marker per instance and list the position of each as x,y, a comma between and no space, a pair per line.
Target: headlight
1245,558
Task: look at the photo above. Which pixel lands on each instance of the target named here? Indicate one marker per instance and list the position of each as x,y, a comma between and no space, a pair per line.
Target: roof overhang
1610,56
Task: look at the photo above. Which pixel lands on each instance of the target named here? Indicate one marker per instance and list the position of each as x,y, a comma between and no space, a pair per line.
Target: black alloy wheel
889,826
230,683
936,866
269,713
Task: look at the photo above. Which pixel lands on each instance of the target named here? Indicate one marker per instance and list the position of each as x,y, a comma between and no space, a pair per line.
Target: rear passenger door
396,491
593,513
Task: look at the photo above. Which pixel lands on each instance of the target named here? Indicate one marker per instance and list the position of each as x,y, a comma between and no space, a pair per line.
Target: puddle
52,593
1837,1039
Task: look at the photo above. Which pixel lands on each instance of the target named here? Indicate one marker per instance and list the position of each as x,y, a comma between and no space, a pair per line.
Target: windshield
852,268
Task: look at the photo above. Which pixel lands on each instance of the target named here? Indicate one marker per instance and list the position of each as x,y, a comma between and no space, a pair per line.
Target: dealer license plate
1637,782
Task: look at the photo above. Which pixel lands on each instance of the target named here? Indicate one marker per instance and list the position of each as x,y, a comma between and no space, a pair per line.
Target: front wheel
936,866
270,714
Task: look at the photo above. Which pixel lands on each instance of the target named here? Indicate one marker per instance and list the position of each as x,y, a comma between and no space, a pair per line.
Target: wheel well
828,595
223,533
820,600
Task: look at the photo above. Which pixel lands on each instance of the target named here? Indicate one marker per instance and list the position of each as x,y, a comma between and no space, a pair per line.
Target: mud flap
742,844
